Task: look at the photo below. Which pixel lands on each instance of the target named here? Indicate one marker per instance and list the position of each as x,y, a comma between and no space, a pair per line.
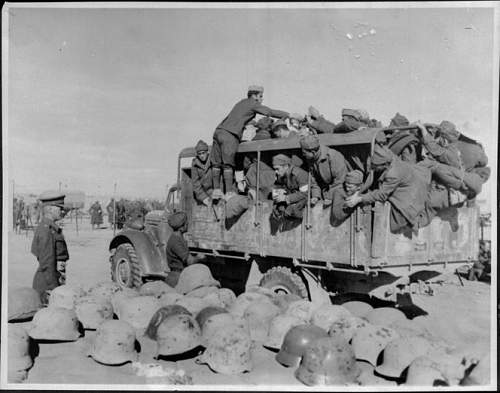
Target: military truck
314,258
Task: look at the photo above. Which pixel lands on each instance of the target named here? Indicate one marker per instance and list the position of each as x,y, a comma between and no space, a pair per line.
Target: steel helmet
195,276
169,298
384,316
160,315
480,374
18,356
282,300
244,300
64,296
215,323
368,341
228,350
206,313
423,371
193,304
358,309
155,288
55,323
22,303
295,343
114,343
125,293
328,361
137,311
406,328
300,308
224,298
258,315
325,315
400,352
105,289
279,327
92,311
346,326
177,334
203,291
452,365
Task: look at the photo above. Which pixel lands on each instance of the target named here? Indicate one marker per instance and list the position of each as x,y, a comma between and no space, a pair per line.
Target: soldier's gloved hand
206,201
327,202
314,201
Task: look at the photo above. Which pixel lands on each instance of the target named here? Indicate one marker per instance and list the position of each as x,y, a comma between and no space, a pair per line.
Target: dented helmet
258,316
160,315
228,351
114,343
206,313
279,327
193,304
116,298
55,323
155,288
64,296
384,316
224,298
325,315
241,303
370,340
18,356
400,352
137,311
346,326
104,289
423,371
202,292
169,298
301,308
92,311
195,276
22,303
295,343
177,334
358,309
215,323
328,361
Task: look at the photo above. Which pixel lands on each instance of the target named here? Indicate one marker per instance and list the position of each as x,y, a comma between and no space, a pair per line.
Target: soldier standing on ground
110,208
95,214
49,246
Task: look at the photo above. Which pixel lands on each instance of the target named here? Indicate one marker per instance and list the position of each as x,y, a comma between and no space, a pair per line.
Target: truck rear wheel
125,268
281,279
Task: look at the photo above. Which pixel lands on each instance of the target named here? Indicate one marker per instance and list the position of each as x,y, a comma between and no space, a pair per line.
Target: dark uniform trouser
45,279
173,278
222,155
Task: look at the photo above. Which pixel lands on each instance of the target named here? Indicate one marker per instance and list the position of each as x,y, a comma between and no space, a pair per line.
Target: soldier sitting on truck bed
227,137
263,125
201,174
266,178
290,194
352,120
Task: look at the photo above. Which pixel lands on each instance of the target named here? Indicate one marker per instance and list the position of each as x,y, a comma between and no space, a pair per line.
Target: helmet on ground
160,315
104,289
155,288
177,334
215,323
195,276
279,327
228,350
55,323
258,316
206,313
480,374
295,343
282,300
203,291
300,308
358,309
346,326
193,304
137,311
92,311
407,328
384,316
224,298
368,341
64,296
18,356
325,315
400,352
328,361
169,298
114,343
241,303
423,371
125,293
22,303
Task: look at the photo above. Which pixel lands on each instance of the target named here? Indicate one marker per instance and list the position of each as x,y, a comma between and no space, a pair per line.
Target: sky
97,96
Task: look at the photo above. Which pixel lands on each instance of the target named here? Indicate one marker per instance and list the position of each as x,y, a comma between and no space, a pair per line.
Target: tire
282,279
125,267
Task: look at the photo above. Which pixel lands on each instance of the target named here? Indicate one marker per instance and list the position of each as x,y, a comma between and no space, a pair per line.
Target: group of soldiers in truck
419,168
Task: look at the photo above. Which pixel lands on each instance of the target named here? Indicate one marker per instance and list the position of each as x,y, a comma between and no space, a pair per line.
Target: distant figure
49,246
95,215
110,209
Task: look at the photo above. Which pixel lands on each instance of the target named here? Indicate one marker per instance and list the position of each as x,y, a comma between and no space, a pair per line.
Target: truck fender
146,250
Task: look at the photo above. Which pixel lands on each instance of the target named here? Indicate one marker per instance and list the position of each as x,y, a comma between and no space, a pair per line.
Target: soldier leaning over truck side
340,211
227,137
201,174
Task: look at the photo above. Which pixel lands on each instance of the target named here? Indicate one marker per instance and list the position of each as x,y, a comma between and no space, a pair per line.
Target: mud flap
317,294
254,276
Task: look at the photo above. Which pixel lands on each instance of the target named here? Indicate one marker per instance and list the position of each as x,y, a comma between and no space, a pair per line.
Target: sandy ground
458,314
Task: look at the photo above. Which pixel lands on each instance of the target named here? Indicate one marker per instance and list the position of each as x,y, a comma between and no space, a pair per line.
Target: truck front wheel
281,279
125,268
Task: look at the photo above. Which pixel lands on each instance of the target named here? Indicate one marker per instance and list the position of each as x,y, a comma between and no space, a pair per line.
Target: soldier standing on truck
290,193
201,174
227,137
178,256
328,166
